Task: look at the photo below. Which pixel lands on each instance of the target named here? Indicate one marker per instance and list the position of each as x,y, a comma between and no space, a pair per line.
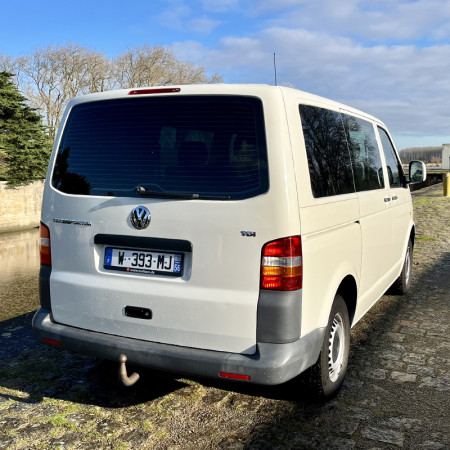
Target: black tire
325,378
402,284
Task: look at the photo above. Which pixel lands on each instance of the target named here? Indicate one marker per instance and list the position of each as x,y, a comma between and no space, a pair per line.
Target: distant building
446,156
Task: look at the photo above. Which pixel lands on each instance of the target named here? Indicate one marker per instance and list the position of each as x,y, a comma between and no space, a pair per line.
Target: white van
226,231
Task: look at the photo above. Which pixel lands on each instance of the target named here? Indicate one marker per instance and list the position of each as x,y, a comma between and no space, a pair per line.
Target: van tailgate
211,305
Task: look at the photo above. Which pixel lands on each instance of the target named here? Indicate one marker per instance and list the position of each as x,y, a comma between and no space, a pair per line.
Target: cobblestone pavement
396,394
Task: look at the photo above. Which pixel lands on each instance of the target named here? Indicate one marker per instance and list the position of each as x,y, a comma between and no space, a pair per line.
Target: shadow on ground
43,371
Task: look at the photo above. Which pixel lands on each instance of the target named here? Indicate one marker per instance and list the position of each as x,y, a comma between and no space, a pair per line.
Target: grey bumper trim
271,364
44,286
279,316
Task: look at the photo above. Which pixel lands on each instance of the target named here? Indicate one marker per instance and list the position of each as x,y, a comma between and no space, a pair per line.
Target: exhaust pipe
124,378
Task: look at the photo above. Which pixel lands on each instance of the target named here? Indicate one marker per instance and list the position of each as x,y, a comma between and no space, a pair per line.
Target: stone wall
20,207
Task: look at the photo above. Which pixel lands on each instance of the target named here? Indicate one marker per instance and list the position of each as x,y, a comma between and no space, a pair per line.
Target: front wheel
327,375
402,283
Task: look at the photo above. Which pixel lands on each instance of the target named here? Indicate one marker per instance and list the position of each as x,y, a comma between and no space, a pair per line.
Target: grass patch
92,435
425,239
435,199
59,420
27,371
119,445
161,434
146,426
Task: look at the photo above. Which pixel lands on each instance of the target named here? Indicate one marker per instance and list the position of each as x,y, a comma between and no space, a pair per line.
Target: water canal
19,271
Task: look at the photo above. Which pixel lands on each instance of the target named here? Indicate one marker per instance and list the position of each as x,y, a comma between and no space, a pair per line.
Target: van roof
221,89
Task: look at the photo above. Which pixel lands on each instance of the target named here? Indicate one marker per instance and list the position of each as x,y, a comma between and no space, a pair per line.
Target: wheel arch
412,235
348,290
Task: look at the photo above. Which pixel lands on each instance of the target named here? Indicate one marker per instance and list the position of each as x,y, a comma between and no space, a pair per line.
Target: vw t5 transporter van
225,231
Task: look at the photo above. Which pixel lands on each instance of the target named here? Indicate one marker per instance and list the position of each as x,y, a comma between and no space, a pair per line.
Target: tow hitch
124,378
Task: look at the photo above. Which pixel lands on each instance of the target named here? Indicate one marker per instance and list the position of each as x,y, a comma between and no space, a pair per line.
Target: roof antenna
275,68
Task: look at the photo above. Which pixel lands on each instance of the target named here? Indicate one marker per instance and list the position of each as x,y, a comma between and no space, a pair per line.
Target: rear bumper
271,364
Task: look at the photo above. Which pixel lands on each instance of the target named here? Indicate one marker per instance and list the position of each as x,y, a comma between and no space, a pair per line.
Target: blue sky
390,58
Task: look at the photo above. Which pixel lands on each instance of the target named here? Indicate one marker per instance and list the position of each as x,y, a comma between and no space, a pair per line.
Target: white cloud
175,17
441,32
202,25
182,16
391,59
405,86
219,5
264,6
369,20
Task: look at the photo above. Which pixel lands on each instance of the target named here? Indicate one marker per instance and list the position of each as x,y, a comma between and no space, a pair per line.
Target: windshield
208,146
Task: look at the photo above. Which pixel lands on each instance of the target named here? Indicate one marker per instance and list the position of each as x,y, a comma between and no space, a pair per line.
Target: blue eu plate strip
108,256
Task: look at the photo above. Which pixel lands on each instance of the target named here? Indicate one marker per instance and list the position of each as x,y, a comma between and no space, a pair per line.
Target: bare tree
81,70
7,63
11,65
50,76
429,155
156,66
53,75
43,87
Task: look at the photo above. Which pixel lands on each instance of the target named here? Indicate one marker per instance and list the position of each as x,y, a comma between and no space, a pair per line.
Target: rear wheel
402,283
327,375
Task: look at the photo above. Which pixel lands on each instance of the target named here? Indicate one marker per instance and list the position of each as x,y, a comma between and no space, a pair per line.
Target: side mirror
417,172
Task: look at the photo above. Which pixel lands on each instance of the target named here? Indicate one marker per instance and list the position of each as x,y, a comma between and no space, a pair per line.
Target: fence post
446,180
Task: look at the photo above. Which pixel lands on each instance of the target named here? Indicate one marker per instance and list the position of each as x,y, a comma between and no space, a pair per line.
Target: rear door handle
387,199
394,197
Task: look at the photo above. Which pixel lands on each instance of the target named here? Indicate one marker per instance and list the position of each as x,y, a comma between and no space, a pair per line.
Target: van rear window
342,150
200,146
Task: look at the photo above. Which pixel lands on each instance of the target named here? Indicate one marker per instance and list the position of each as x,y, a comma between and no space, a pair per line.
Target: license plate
143,261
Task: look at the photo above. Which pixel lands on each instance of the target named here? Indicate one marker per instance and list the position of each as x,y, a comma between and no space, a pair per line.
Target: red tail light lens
52,342
44,245
281,265
234,376
154,91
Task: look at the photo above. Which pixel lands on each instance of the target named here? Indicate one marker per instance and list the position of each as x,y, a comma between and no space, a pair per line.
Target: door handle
394,197
387,199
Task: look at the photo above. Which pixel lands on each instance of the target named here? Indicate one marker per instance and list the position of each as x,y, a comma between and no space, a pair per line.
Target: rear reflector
52,342
154,91
44,245
281,264
234,376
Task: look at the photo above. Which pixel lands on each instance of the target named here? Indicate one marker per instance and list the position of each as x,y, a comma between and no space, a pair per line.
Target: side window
326,148
367,167
394,168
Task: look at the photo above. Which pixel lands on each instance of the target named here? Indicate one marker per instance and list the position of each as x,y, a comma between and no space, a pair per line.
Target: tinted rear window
206,145
343,154
328,155
368,170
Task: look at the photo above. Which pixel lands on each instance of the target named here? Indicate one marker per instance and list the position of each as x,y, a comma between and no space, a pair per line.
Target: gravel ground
396,394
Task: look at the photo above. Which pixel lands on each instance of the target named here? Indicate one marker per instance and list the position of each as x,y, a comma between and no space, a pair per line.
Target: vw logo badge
140,217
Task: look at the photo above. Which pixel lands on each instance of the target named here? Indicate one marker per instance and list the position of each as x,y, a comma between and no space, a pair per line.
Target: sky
389,58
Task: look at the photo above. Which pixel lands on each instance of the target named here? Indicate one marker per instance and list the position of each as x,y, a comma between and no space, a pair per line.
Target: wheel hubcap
336,348
407,266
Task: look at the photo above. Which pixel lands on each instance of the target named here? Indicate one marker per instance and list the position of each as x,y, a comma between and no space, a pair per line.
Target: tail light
52,342
234,376
154,91
44,246
281,265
